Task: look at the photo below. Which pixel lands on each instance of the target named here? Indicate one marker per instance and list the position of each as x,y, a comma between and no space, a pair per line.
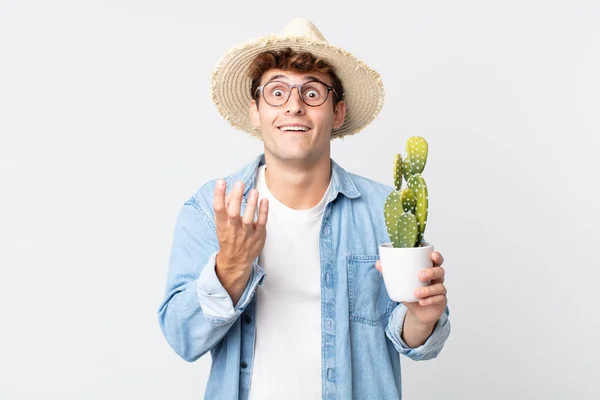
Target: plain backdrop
107,127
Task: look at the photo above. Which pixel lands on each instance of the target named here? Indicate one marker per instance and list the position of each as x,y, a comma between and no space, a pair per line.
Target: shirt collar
341,180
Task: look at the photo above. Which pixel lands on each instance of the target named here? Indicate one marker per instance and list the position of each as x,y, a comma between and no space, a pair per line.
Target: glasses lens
276,93
314,93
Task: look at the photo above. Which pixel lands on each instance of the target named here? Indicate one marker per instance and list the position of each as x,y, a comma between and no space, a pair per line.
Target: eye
276,89
313,91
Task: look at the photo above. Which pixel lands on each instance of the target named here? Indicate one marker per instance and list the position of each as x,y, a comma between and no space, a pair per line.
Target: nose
294,105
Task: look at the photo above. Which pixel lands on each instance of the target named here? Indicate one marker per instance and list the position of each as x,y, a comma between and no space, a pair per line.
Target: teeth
294,128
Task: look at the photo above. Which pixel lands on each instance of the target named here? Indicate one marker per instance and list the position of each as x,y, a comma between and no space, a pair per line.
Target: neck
298,186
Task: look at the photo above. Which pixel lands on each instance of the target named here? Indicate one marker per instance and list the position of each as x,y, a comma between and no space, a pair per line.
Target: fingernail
238,184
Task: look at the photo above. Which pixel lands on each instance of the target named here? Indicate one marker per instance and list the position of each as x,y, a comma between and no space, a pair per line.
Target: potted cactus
405,212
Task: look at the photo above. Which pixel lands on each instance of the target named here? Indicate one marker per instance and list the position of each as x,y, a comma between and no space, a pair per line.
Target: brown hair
296,61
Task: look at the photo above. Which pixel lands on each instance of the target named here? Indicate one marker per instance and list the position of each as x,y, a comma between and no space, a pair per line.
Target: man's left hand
432,299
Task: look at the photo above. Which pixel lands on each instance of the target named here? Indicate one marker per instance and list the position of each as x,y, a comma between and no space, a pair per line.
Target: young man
275,269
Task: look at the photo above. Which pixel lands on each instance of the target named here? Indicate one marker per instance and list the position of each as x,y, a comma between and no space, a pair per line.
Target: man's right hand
241,239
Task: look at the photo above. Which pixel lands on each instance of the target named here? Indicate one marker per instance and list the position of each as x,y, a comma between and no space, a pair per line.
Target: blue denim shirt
361,326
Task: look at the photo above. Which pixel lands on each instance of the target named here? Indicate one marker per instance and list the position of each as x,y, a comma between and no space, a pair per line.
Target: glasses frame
299,87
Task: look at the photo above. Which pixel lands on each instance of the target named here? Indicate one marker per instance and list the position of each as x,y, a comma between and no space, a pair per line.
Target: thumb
378,265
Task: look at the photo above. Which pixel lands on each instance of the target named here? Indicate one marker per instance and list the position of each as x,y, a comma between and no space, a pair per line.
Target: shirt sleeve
428,350
214,299
188,330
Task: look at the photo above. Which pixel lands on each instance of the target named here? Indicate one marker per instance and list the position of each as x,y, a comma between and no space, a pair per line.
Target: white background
107,128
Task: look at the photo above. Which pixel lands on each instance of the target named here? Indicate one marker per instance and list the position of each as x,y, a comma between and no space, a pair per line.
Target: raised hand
241,238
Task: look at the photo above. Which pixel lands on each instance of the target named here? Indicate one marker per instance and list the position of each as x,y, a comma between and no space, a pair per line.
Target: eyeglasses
312,93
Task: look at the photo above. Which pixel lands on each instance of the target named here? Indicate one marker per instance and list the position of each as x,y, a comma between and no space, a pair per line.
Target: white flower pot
400,268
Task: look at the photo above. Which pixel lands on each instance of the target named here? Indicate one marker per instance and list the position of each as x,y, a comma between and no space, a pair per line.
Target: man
275,269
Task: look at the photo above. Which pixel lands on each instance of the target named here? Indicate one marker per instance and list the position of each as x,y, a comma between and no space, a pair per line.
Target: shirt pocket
369,300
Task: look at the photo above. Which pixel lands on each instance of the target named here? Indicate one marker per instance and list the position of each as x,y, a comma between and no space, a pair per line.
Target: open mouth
293,128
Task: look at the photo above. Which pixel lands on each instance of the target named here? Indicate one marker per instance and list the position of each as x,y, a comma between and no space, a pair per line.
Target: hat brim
230,85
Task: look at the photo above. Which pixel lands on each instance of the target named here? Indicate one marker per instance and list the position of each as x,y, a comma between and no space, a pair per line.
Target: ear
254,115
339,114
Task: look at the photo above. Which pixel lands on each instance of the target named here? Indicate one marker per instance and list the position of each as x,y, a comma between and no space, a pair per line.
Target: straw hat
230,86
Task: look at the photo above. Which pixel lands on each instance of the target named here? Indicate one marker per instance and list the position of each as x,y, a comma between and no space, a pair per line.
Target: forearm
234,280
195,316
190,314
187,330
415,333
433,342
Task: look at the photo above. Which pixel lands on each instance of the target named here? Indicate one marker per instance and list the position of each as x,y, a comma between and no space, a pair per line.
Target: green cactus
398,171
409,201
405,210
406,169
418,186
407,231
417,149
393,210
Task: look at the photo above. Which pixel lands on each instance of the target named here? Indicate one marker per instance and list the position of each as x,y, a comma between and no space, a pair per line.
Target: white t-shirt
287,358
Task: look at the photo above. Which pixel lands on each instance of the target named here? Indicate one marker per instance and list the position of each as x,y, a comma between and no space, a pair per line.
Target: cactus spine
405,210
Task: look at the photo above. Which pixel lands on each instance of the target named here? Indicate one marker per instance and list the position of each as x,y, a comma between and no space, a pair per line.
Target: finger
263,211
440,300
227,200
235,203
428,291
437,258
378,265
248,219
432,274
219,202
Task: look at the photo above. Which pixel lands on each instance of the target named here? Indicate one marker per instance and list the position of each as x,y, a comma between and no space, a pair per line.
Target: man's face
296,131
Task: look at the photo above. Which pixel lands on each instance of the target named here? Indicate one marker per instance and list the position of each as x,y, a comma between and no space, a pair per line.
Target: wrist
417,325
224,265
231,275
414,332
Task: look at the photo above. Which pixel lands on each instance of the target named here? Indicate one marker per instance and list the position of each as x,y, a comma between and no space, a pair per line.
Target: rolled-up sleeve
428,350
214,300
188,328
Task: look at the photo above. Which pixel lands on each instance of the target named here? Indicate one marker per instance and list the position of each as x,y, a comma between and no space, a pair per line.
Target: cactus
407,230
405,210
398,172
406,170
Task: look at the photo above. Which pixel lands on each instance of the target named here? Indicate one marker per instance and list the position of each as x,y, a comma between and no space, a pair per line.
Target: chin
293,155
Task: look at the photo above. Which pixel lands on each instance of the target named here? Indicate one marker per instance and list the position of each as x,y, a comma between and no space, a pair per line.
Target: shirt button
330,374
247,319
243,364
329,324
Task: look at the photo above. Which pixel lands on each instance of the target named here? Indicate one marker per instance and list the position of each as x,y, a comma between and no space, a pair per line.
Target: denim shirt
361,326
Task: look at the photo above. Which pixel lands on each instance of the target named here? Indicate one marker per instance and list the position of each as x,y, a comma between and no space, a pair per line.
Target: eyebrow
280,76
